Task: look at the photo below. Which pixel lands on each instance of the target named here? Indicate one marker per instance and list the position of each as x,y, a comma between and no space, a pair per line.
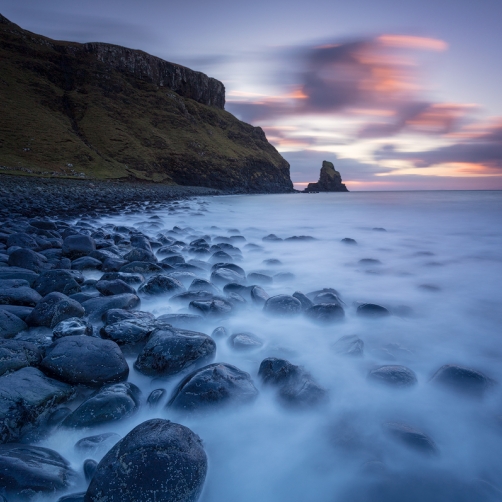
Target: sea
433,259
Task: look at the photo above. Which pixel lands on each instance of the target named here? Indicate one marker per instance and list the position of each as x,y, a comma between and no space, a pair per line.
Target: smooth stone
28,259
213,386
17,354
90,467
223,276
244,341
26,470
60,281
189,296
83,297
155,397
215,308
161,285
158,461
95,308
115,315
271,238
128,331
18,273
93,445
348,240
464,380
22,240
313,294
272,262
185,277
372,310
17,310
219,332
23,296
10,324
257,278
282,305
128,278
393,375
54,308
143,255
108,404
325,313
85,360
349,345
71,327
258,296
203,285
303,299
327,297
141,267
86,263
40,336
114,287
75,246
169,351
113,264
27,396
183,321
412,438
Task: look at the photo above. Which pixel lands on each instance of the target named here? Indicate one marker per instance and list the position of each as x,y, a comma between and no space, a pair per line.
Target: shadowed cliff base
100,111
330,180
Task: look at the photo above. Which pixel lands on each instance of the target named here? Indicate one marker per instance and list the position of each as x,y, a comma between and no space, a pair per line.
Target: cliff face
330,180
103,111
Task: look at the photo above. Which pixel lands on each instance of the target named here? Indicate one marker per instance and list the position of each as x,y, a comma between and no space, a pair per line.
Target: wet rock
141,267
203,285
259,296
412,438
189,296
282,305
128,331
155,397
109,404
222,276
214,385
10,324
60,281
40,336
158,461
143,255
171,350
327,297
97,307
161,285
22,296
296,238
245,341
26,470
128,278
75,246
113,264
23,240
86,263
348,240
116,315
54,308
115,287
17,310
215,308
28,259
57,416
393,375
325,313
85,360
90,467
71,327
349,345
18,273
258,278
271,238
464,380
17,354
372,310
26,396
318,292
303,299
183,321
185,277
219,332
94,445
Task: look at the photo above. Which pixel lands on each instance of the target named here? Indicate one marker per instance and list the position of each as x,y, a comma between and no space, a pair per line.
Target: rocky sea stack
100,111
330,180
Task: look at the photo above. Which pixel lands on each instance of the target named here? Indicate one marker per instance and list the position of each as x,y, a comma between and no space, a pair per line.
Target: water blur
438,270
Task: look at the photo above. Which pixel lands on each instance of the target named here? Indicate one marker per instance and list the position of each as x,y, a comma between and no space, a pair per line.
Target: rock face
330,180
116,113
158,461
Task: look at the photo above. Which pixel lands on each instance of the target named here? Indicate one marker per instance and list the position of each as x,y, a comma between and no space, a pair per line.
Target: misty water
438,272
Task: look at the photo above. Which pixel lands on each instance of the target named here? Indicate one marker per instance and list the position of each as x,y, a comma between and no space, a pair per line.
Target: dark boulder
158,461
215,308
140,255
17,310
113,264
75,246
95,308
258,296
141,267
271,238
115,315
26,470
128,330
189,296
325,313
7,273
327,297
183,321
10,324
28,259
214,385
186,277
27,396
219,332
115,287
373,311
109,404
60,281
282,305
203,285
86,263
348,240
464,380
349,345
100,443
71,327
412,438
171,350
22,240
128,278
303,299
22,296
54,308
17,354
245,341
393,375
85,360
161,285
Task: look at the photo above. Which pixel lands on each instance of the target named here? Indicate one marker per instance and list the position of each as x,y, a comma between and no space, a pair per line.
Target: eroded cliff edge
101,111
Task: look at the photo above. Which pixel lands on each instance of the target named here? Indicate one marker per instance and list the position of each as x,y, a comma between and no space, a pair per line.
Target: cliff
100,111
330,180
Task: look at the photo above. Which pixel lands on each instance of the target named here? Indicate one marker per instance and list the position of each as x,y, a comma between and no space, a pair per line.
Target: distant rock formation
330,180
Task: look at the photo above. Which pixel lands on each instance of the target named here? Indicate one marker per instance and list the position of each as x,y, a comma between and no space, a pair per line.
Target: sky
399,94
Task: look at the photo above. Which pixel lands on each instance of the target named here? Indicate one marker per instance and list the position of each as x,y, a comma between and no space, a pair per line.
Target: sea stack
330,180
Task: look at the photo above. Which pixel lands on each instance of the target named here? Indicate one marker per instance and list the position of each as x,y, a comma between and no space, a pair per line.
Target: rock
183,321
90,467
464,380
85,360
26,396
244,341
22,296
325,313
348,240
155,397
284,277
95,308
313,294
60,281
57,416
257,278
219,332
73,497
115,287
258,295
71,327
222,276
330,180
128,278
282,305
327,297
214,385
215,308
185,277
86,263
303,299
94,445
393,375
128,331
372,310
54,308
22,240
369,261
75,246
115,315
158,461
412,438
26,470
28,259
109,404
113,264
189,296
271,238
10,324
141,267
349,345
161,285
203,285
171,350
17,310
41,337
17,354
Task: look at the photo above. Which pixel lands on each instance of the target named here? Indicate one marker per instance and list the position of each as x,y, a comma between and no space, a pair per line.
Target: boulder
85,360
258,295
155,397
412,438
115,287
60,281
17,354
94,445
28,259
75,246
303,299
244,341
325,313
115,315
22,296
86,263
71,327
219,332
183,321
18,273
282,305
393,375
349,345
161,285
95,308
213,386
158,461
171,350
222,276
54,308
141,267
373,311
128,330
10,324
128,278
17,310
90,467
215,308
463,380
